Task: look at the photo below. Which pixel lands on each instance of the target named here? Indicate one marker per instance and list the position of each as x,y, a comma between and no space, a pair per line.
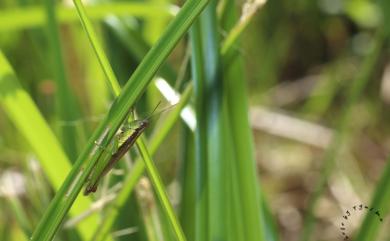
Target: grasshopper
121,143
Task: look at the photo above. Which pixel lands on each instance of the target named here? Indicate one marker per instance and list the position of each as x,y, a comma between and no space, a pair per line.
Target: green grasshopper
121,143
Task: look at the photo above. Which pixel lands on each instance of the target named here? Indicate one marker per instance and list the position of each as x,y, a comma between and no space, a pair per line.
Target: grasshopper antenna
160,111
155,108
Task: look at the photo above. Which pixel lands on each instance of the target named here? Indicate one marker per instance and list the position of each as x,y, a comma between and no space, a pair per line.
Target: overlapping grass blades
105,132
224,162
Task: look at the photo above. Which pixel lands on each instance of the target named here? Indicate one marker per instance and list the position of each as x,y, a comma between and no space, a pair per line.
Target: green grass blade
381,198
20,214
30,17
188,201
200,189
104,63
160,190
135,45
134,88
245,19
215,186
269,225
216,131
381,201
27,118
254,223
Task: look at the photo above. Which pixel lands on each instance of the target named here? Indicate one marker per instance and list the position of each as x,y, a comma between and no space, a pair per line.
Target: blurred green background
317,80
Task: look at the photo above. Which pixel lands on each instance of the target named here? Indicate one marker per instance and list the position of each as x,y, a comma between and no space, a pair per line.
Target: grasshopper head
144,124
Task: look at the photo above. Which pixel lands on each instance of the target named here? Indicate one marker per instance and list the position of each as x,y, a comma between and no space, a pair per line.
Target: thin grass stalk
187,178
160,190
98,49
381,201
248,12
20,214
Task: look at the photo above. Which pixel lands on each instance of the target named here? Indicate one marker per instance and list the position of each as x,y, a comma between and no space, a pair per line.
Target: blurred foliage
312,76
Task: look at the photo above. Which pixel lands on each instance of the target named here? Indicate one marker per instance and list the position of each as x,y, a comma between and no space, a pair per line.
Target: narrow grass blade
250,9
104,63
200,170
20,214
188,201
25,115
218,157
160,190
381,201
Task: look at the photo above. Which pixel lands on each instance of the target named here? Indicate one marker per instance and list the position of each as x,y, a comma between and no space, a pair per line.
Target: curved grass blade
24,114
